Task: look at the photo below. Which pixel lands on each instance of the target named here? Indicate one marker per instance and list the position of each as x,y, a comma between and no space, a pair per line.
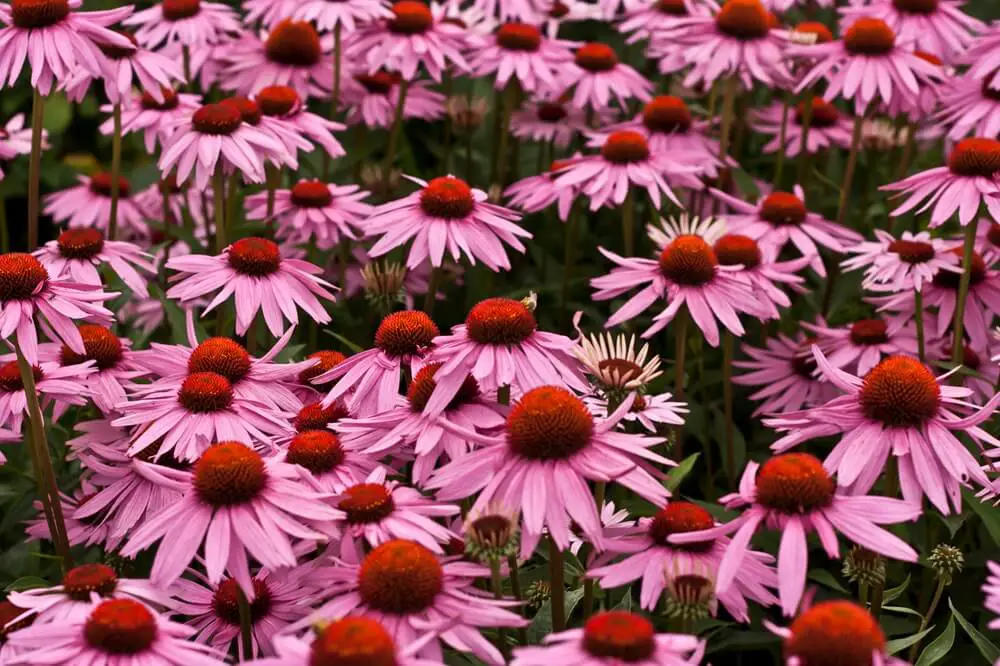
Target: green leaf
541,625
902,609
677,474
825,578
347,343
990,651
897,644
939,647
989,514
27,583
58,113
893,593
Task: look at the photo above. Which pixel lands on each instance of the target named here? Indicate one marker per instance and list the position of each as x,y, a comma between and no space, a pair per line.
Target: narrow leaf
677,474
986,648
939,647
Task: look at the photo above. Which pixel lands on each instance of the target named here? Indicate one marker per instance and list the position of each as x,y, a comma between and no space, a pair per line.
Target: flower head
901,264
87,205
520,51
193,23
313,210
289,54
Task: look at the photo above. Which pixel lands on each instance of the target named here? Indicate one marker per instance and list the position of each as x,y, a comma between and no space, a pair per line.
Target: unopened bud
946,561
864,567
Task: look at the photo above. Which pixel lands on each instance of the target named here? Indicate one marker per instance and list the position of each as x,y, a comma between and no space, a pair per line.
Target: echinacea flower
992,592
78,253
284,103
648,410
860,346
15,138
983,375
793,494
519,52
372,98
781,217
759,264
686,274
828,127
901,409
277,129
190,22
964,185
84,531
446,215
613,363
314,210
156,119
649,555
121,68
416,593
328,464
785,374
55,38
969,106
290,54
611,638
349,15
535,193
239,505
541,461
320,363
644,20
936,26
596,73
500,346
55,384
901,264
253,271
124,632
549,119
88,205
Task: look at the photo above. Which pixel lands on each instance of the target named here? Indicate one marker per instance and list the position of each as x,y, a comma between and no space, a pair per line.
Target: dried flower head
466,113
690,591
384,284
864,567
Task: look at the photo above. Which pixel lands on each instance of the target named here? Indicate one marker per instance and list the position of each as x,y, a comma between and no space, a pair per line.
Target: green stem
246,624
779,166
958,344
628,223
908,150
397,129
926,619
557,583
500,163
805,159
877,600
569,255
515,587
918,303
728,107
35,166
680,348
232,194
432,287
272,178
497,580
219,204
116,170
727,399
852,163
503,395
600,490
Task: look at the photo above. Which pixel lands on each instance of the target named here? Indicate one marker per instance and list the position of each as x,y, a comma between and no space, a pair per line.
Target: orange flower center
782,208
824,114
551,112
253,256
912,252
823,34
8,613
294,44
316,417
311,194
21,275
10,376
410,17
666,114
549,423
367,503
405,333
223,357
900,392
500,321
319,451
743,19
975,157
327,361
80,243
952,280
249,110
447,197
678,518
101,345
226,602
620,636
869,332
120,627
353,641
596,57
870,37
689,261
400,578
100,183
79,582
175,10
423,385
625,147
205,392
737,250
519,37
277,100
923,7
671,7
170,100
229,473
30,14
834,633
379,83
794,483
217,119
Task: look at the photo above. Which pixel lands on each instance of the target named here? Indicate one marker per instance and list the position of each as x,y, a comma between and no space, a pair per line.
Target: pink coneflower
984,374
77,254
780,217
519,51
786,374
213,610
240,505
500,345
11,621
969,106
828,127
372,99
266,12
57,385
253,270
595,74
535,193
550,119
74,598
860,346
446,215
291,54
646,19
36,28
156,119
215,136
190,416
314,210
541,461
414,592
902,264
124,67
190,22
899,408
611,638
412,37
968,181
936,26
124,632
287,135
330,465
349,14
735,39
405,431
686,274
838,632
649,411
866,65
284,103
79,531
15,138
992,591
626,163
321,362
27,292
648,555
88,205
793,494
760,266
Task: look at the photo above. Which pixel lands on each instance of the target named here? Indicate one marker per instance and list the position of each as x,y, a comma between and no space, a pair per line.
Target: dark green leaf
677,474
825,578
989,514
939,647
27,583
990,651
897,644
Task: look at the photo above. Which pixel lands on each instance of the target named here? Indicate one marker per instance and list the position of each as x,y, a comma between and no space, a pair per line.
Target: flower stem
877,591
569,255
557,582
186,58
918,302
728,108
272,178
337,58
4,230
958,344
500,164
600,490
680,347
448,131
852,163
779,166
727,399
116,170
219,205
397,129
35,166
246,624
926,619
628,223
497,580
432,287
515,586
805,159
